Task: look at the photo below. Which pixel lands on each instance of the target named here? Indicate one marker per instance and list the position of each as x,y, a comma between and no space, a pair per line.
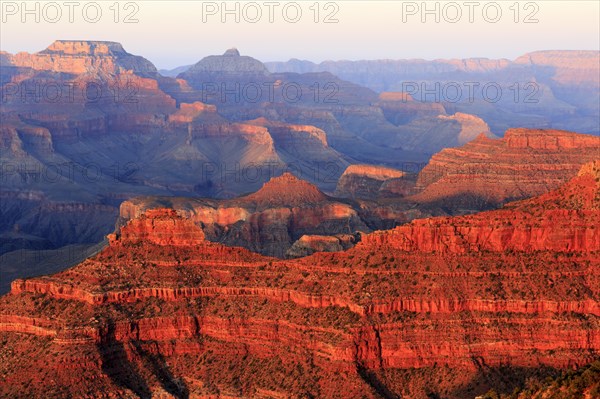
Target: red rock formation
287,190
556,221
365,181
119,81
161,227
268,221
525,163
189,112
431,307
309,244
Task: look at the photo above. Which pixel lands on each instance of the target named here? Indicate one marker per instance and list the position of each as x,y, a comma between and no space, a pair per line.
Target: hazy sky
174,33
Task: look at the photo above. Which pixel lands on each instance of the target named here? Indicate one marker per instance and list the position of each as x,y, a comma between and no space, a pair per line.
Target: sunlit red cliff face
488,172
443,306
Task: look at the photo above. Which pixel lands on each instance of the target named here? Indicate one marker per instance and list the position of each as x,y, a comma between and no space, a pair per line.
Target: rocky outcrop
309,244
286,190
434,307
365,181
62,83
187,113
161,227
524,163
400,108
271,219
290,132
556,221
471,127
285,209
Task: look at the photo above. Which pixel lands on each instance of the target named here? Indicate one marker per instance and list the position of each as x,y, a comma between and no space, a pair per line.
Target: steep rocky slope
487,172
562,220
447,307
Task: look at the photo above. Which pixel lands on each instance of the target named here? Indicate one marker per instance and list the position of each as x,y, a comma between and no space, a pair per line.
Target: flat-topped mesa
287,190
80,57
365,181
548,139
373,172
159,226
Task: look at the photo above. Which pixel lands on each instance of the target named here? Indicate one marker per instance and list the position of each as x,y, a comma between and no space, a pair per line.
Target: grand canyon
245,229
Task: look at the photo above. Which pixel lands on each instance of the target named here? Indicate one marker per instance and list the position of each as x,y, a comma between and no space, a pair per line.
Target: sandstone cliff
445,307
365,181
524,163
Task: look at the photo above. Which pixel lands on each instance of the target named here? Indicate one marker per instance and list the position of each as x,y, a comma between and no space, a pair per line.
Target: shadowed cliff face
442,306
